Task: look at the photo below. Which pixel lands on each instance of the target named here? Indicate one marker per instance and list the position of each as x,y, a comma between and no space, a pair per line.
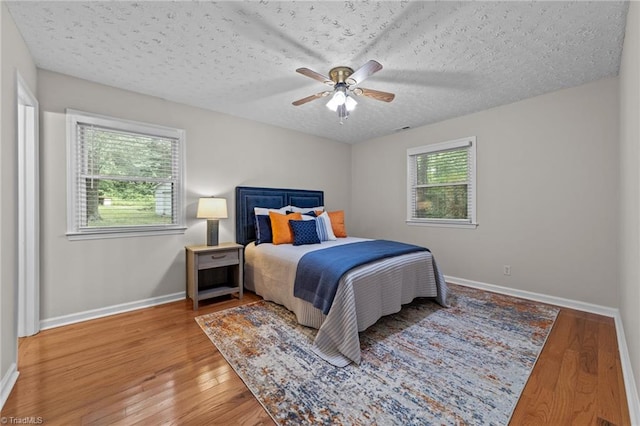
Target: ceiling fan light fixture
341,102
336,100
344,79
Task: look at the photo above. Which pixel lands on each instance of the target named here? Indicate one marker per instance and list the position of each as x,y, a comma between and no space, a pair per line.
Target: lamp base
212,232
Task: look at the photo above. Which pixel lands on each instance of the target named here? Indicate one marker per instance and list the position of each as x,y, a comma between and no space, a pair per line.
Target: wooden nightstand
214,271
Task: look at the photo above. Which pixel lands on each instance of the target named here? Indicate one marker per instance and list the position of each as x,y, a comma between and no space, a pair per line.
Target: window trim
470,223
74,117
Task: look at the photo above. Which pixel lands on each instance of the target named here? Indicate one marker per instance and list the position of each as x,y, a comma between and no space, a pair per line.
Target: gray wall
547,188
14,57
222,152
630,187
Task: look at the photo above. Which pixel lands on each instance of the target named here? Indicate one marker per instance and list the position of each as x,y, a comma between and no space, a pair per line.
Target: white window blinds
441,183
125,176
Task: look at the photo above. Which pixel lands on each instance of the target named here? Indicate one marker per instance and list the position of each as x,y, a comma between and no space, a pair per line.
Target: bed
364,294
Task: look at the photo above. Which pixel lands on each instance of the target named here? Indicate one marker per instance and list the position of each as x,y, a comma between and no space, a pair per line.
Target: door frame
28,311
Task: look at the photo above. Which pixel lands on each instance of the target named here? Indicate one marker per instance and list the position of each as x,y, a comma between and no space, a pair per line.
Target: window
441,184
124,178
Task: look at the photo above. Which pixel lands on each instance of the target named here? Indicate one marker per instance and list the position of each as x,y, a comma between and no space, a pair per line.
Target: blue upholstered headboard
249,197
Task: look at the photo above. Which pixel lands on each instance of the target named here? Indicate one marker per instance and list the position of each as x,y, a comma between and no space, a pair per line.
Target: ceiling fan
343,80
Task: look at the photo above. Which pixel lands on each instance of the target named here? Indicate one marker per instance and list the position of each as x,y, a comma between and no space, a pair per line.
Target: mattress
364,294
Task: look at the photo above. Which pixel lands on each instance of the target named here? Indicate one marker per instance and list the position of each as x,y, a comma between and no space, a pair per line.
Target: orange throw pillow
280,229
337,223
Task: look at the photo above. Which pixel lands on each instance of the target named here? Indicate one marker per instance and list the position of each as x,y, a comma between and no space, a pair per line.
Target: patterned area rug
467,364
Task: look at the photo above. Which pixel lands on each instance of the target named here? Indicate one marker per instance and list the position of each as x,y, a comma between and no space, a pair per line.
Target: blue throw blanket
320,271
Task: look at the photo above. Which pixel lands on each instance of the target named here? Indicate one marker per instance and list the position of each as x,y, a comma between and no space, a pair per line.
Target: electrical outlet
507,270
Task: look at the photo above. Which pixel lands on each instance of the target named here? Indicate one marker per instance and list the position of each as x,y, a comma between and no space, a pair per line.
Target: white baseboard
109,310
7,383
627,372
633,400
538,297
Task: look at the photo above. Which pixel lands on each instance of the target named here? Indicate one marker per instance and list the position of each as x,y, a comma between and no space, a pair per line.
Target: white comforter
364,294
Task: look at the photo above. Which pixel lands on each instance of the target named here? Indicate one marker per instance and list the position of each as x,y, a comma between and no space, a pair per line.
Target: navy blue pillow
304,232
263,229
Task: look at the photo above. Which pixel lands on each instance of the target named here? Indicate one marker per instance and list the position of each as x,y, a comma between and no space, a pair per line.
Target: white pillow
259,211
323,227
306,209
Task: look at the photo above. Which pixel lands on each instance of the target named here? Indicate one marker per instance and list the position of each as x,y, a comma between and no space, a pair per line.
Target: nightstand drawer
219,258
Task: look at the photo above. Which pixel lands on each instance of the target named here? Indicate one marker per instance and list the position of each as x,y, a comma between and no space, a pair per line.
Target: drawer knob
219,257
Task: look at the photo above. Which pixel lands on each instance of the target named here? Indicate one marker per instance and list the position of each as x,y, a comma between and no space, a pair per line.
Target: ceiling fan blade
310,98
314,75
364,72
375,94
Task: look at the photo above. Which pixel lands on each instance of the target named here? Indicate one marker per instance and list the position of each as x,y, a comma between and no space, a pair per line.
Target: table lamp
212,209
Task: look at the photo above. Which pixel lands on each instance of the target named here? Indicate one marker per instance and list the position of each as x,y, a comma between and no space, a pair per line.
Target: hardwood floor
155,366
578,377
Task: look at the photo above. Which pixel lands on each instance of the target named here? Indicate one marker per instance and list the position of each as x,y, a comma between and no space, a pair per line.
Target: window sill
442,224
104,234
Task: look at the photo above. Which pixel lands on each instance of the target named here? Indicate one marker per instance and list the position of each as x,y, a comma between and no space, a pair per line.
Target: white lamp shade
212,208
350,103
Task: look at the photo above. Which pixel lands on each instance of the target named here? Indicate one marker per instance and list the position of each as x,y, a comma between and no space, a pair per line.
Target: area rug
467,364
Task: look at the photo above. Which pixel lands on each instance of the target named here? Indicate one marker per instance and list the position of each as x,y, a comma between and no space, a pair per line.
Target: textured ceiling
441,59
